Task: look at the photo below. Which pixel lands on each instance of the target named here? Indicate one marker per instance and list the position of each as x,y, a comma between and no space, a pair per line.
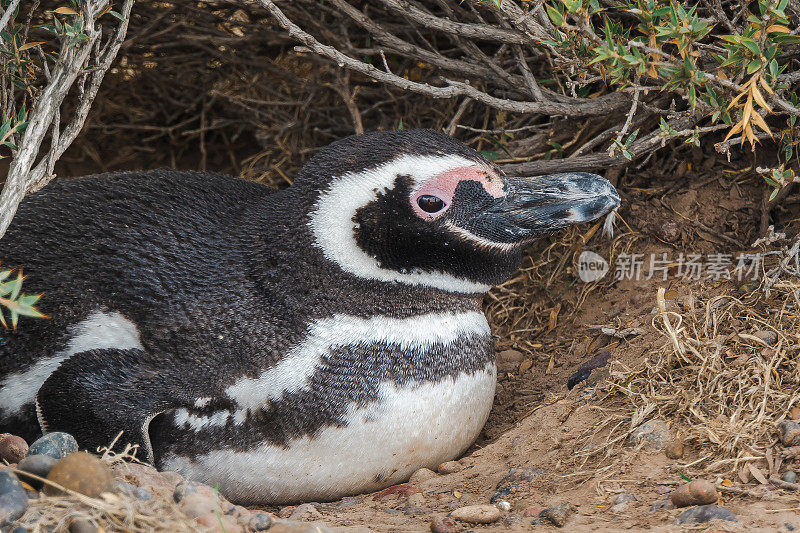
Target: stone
653,435
704,513
12,448
674,449
421,475
442,524
476,514
81,472
668,231
260,521
128,489
57,445
794,413
13,499
197,505
305,512
696,492
81,524
790,432
191,488
450,467
557,515
38,465
622,502
790,476
289,526
146,477
416,499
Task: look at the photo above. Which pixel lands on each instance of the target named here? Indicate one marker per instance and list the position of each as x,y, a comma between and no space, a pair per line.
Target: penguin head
420,208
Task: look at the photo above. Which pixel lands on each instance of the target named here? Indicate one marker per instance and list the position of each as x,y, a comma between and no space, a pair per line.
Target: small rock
503,505
404,490
790,476
697,492
557,515
260,521
442,524
668,231
57,445
81,472
422,475
476,514
510,356
38,465
305,512
147,477
12,448
197,505
450,467
652,435
662,505
191,488
794,413
285,512
13,498
416,499
769,337
624,498
790,432
703,513
513,520
82,525
218,523
531,512
128,489
674,449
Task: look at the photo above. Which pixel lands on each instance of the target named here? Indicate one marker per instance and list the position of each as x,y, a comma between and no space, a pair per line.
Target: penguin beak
533,206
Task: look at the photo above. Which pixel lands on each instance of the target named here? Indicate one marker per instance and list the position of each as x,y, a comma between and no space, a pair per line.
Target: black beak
533,206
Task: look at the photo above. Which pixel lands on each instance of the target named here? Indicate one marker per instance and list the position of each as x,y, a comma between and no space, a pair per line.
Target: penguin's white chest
418,425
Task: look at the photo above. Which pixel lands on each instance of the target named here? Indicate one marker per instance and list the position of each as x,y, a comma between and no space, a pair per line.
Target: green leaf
751,45
555,16
754,65
120,17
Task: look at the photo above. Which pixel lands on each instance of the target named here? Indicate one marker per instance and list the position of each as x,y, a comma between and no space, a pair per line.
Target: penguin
309,343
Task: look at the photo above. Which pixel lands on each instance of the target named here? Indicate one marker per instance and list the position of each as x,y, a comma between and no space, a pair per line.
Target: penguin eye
430,203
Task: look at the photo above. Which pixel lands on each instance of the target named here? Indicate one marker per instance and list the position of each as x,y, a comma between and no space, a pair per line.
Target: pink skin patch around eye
443,186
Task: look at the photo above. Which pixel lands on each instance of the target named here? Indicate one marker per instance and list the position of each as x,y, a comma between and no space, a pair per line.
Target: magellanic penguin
322,340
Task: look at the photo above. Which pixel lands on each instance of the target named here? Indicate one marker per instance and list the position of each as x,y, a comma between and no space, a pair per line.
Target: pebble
38,465
790,432
81,472
450,467
703,513
477,514
503,505
674,449
697,492
557,515
442,524
794,413
622,501
197,505
668,231
13,498
422,475
652,435
82,525
416,499
662,505
57,445
192,488
260,521
287,526
305,512
216,523
133,491
12,448
790,476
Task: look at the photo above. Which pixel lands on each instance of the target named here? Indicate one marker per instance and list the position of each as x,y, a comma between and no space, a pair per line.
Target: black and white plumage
309,343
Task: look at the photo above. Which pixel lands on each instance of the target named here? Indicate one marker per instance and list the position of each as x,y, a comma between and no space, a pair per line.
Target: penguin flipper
97,393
